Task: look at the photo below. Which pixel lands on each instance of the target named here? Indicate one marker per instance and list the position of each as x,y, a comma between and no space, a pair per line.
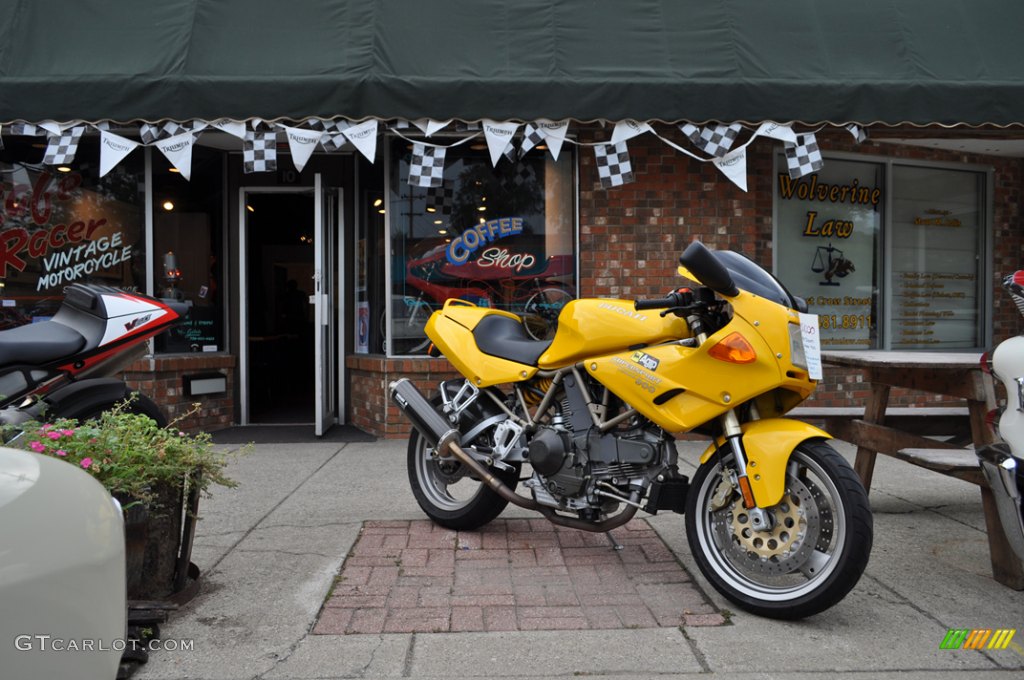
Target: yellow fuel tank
592,327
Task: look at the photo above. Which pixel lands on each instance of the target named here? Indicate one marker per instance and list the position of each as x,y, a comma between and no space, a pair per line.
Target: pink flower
86,463
61,452
53,434
67,433
37,446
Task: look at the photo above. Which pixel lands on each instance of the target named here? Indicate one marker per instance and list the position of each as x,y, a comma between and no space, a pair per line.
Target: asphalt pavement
270,552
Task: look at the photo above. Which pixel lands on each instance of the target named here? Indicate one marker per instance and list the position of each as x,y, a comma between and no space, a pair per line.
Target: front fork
760,519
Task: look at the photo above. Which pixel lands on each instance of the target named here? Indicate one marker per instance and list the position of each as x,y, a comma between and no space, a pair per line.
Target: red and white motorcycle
1003,461
62,367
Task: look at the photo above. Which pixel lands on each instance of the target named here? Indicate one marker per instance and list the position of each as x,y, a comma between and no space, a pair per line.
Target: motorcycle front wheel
446,490
813,554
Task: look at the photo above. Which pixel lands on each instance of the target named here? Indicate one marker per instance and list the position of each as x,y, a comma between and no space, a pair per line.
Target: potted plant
156,473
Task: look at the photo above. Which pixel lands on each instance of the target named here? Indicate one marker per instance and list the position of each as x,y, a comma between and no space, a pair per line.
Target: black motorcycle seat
39,343
505,337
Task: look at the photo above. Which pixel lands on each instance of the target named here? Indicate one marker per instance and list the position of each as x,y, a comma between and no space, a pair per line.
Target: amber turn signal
735,349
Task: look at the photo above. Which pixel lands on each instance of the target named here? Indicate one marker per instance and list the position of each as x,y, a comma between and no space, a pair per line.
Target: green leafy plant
129,453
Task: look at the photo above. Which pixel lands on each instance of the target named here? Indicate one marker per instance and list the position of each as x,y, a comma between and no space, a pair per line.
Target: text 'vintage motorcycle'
1003,462
776,519
63,367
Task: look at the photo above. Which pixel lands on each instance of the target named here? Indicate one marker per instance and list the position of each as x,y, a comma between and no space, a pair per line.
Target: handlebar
677,298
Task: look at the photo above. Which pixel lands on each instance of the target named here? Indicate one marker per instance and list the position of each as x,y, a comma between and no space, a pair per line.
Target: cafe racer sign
59,232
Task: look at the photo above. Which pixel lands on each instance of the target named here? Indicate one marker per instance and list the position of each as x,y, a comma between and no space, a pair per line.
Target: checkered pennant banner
151,132
60,149
440,199
532,136
803,158
426,169
333,139
714,140
613,166
259,151
24,130
859,133
510,152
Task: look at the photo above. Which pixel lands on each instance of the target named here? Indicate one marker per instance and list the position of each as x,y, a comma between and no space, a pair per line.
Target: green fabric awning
890,61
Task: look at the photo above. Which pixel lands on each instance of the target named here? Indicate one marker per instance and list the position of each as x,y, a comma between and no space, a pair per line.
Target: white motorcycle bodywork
62,571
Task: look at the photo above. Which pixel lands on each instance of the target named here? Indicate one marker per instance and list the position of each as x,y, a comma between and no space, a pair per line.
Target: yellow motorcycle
776,519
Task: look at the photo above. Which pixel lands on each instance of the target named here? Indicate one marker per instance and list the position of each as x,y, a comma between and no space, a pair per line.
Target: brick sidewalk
516,574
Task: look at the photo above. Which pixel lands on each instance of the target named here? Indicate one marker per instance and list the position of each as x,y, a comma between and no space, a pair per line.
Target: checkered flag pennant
60,149
426,169
259,150
803,158
151,132
440,198
24,129
716,140
859,133
333,139
613,166
532,136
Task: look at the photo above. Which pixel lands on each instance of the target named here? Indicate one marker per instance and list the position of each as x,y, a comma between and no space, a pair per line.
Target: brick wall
369,375
161,378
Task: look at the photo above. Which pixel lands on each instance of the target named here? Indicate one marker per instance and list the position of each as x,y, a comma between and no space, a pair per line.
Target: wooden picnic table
951,374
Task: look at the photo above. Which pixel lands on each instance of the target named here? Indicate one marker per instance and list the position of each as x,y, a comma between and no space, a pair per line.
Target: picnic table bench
940,438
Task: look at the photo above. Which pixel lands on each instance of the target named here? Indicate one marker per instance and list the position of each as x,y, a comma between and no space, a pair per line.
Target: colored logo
646,360
978,638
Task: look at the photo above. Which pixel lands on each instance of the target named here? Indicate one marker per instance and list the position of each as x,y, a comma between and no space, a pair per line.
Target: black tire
87,408
433,481
783,574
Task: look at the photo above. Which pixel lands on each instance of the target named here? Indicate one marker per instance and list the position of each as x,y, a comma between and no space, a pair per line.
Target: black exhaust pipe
434,427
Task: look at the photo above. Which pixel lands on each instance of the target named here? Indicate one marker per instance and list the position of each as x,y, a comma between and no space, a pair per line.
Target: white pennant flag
178,150
734,166
554,132
113,149
235,128
429,127
498,136
364,137
628,129
777,131
301,143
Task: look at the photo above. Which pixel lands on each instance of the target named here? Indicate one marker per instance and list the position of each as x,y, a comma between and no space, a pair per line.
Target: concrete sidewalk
269,552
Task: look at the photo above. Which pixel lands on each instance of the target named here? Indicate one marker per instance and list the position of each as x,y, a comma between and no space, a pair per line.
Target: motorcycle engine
572,461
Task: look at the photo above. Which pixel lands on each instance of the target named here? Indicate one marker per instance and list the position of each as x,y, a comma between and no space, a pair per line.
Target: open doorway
279,266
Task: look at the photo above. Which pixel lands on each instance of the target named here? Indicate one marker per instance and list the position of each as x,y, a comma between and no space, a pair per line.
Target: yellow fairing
592,327
680,388
768,444
451,331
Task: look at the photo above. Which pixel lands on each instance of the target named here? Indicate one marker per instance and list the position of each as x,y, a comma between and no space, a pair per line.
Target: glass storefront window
187,236
922,289
60,226
827,228
499,237
937,264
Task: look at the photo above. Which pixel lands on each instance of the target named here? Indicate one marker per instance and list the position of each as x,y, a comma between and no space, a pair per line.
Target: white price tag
809,331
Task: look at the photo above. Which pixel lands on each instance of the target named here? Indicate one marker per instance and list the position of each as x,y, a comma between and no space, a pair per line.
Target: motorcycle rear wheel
447,493
811,559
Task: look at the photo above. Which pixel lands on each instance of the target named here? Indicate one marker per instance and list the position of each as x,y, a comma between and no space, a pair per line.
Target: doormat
516,574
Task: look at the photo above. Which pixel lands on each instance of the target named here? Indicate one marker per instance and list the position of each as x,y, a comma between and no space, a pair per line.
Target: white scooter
1003,462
